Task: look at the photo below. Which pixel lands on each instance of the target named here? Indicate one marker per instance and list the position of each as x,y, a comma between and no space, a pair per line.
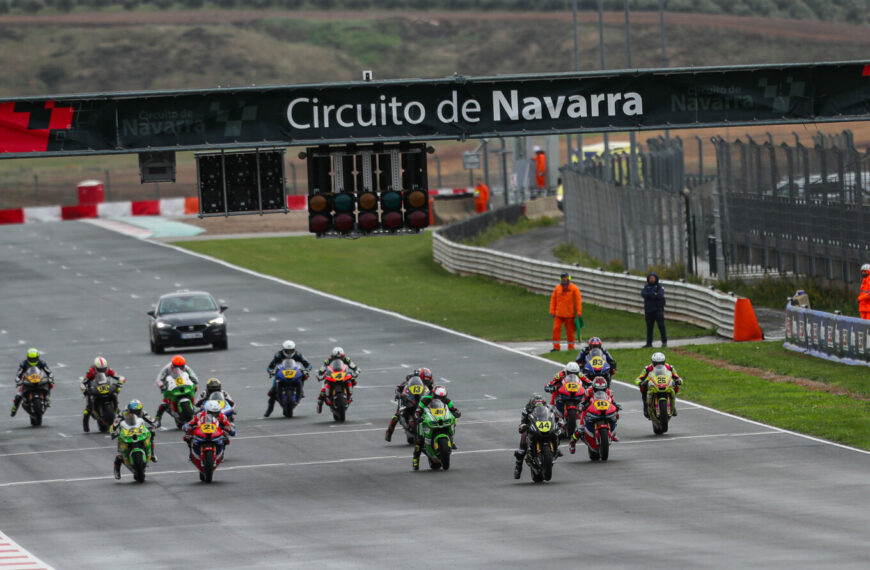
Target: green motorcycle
134,445
436,428
180,393
660,398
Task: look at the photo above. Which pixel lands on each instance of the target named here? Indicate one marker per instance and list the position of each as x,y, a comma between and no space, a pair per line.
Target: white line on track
467,336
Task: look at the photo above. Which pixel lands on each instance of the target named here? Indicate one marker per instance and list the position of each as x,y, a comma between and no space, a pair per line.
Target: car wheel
156,348
222,345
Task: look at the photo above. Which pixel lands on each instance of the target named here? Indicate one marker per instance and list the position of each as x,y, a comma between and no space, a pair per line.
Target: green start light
343,202
391,200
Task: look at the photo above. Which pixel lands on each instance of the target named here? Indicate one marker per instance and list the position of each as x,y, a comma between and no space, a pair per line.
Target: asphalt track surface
715,492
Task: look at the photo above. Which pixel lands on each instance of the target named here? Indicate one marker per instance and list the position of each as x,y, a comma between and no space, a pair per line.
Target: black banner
826,335
452,108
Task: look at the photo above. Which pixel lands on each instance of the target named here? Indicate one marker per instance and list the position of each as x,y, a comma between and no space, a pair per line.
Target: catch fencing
794,209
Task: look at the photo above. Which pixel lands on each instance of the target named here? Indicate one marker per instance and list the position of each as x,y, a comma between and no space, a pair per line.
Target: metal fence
793,209
641,224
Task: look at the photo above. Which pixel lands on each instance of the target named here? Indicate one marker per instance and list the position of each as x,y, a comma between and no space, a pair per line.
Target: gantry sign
420,110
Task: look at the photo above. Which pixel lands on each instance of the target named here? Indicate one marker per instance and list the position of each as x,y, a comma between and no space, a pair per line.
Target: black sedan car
187,318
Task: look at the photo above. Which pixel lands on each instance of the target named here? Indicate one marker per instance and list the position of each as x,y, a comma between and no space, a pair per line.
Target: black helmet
212,385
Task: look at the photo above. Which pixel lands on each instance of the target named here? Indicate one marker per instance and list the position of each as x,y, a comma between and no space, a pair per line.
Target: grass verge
399,274
502,230
790,406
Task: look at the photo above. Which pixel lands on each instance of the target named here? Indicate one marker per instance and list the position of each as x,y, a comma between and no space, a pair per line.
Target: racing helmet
536,400
572,368
865,268
32,356
599,384
178,360
595,342
212,407
337,352
440,392
426,376
288,348
135,407
658,358
212,385
101,364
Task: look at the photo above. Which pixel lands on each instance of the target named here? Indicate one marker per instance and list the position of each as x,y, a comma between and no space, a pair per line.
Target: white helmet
338,352
101,364
213,407
658,358
572,368
865,267
536,149
289,346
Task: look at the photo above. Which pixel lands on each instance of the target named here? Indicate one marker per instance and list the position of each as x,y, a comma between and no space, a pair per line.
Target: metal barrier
685,302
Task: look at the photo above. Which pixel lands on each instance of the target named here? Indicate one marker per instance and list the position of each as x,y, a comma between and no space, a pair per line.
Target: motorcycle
337,379
134,444
226,409
102,403
600,420
407,403
180,392
660,396
287,384
35,389
436,428
211,441
596,365
542,438
569,395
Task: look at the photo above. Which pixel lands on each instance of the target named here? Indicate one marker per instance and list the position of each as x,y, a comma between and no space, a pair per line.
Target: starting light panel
241,182
363,190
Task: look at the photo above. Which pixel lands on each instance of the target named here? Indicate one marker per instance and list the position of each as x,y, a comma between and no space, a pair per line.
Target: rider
134,408
211,414
33,359
406,399
525,419
553,386
439,392
423,373
101,365
658,358
288,350
176,366
597,391
213,385
595,342
336,354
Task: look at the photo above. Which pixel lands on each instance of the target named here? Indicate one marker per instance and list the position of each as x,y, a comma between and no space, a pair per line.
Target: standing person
566,304
481,197
864,293
654,308
540,168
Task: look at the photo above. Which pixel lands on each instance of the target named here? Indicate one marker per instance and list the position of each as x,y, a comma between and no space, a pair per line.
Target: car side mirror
150,313
224,308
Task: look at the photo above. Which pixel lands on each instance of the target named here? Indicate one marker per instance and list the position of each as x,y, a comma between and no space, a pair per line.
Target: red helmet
426,375
178,360
599,383
594,342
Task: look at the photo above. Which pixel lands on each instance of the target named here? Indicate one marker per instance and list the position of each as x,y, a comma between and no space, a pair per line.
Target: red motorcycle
599,422
338,379
569,396
207,448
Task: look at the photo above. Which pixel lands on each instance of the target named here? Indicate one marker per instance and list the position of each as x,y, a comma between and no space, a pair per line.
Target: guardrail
827,335
685,302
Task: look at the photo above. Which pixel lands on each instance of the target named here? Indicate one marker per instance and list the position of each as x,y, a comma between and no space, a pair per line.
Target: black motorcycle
102,401
542,438
35,389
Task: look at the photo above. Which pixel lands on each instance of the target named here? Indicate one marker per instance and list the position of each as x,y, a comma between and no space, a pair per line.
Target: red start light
418,219
368,221
318,224
344,222
392,220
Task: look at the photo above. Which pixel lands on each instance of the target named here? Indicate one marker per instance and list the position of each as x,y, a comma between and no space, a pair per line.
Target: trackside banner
452,108
828,336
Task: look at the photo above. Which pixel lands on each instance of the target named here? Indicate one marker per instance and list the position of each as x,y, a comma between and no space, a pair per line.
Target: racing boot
644,406
117,467
393,421
86,422
320,402
15,402
415,462
613,437
518,469
572,447
269,407
160,410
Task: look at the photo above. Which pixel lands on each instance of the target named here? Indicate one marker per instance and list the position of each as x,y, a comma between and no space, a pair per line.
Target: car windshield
186,304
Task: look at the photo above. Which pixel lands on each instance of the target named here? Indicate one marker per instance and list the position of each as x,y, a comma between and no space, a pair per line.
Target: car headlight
162,325
216,321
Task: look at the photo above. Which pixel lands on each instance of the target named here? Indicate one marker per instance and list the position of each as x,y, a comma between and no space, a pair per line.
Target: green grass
502,230
399,274
773,292
789,406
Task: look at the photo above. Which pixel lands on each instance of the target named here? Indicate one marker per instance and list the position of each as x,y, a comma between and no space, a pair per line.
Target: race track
715,492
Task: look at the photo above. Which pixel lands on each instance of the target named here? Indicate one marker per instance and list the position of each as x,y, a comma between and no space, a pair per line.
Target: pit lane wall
685,302
826,335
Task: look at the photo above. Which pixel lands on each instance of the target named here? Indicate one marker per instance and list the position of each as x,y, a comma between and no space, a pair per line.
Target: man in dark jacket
654,308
